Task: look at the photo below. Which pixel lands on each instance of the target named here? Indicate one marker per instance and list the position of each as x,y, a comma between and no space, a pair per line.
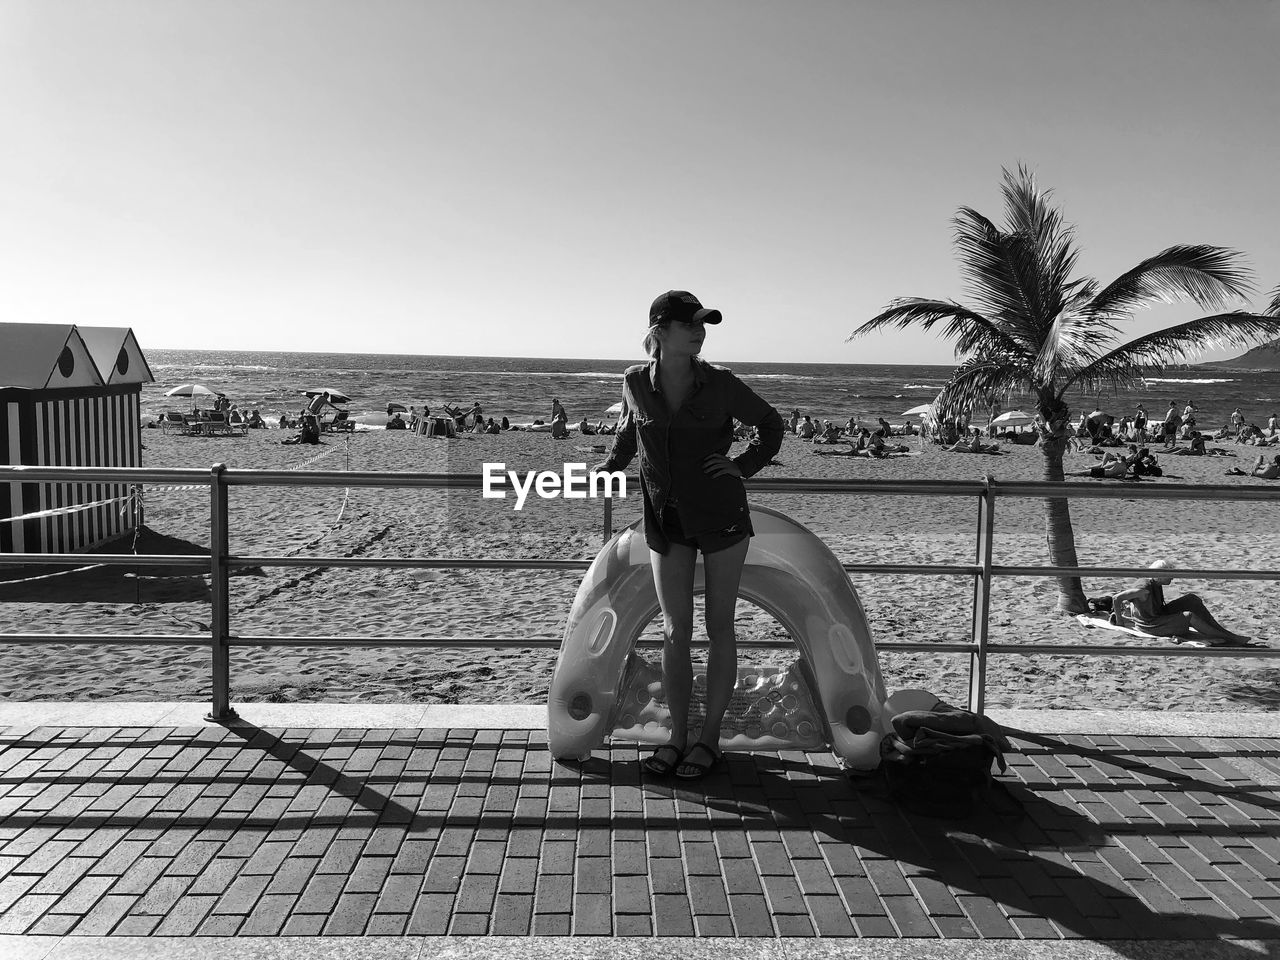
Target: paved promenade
412,831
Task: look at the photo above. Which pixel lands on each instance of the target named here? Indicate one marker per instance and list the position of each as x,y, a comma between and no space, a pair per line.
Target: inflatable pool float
832,695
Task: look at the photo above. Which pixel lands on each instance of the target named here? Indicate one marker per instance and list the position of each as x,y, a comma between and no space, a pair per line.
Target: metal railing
220,638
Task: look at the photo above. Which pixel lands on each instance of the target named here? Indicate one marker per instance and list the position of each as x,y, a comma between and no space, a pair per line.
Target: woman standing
678,412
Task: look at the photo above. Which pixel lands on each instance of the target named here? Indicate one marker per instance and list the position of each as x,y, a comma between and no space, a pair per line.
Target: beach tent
614,410
69,396
924,409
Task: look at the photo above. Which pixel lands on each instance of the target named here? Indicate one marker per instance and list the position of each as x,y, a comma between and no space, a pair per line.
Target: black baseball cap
681,306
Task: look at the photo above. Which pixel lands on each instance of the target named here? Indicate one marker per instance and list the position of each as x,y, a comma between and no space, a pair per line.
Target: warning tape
59,511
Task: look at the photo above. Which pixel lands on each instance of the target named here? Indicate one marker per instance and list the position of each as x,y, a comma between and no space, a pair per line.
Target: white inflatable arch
600,689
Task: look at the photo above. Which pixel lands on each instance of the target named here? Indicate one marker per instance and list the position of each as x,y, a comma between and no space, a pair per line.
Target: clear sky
522,178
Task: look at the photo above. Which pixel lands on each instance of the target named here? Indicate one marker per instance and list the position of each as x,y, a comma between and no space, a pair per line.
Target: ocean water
522,388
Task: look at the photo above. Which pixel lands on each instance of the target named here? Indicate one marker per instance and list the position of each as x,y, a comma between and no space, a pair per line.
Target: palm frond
999,273
1175,344
1210,276
968,328
974,382
1273,308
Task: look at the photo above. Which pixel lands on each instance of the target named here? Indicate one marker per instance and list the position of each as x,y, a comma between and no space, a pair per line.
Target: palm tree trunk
1058,530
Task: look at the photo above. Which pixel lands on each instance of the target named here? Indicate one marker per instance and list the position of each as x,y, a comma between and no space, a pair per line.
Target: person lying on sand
1186,617
1261,469
1114,466
974,444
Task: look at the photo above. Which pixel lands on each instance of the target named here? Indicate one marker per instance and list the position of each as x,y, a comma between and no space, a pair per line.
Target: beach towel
1094,620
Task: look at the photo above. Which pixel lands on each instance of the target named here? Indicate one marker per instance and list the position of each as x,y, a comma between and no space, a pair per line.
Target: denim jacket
673,446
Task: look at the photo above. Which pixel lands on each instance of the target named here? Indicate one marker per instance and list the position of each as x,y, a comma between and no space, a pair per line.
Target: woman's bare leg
673,577
1201,619
723,570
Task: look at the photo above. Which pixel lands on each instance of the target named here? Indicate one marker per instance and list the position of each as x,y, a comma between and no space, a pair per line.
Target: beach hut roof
116,354
41,356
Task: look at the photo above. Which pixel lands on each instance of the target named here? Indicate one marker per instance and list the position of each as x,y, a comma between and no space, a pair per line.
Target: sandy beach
376,522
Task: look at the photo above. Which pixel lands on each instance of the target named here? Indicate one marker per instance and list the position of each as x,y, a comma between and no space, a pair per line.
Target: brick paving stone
554,894
794,925
104,915
751,917
476,893
593,874
52,925
633,925
667,875
830,918
350,914
987,918
268,916
771,858
784,896
592,915
431,915
631,895
399,894
512,915
887,878
139,877
132,926
552,925
740,876
185,917
368,875
1035,928
936,897
469,925
242,895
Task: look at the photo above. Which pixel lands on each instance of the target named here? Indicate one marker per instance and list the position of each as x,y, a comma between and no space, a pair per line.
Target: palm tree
1032,329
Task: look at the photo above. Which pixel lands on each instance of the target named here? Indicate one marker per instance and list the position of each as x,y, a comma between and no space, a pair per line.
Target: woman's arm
624,440
752,409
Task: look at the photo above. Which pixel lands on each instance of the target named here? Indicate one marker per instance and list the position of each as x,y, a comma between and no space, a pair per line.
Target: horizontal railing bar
104,560
1078,649
1134,573
942,488
132,640
181,475
396,563
891,646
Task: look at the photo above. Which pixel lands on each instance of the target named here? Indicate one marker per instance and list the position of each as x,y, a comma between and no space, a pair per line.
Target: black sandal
700,770
656,765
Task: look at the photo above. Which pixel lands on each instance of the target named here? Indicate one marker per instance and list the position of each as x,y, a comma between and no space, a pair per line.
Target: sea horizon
522,388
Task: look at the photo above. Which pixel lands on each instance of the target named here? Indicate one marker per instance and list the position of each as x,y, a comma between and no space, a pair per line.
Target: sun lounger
341,423
172,420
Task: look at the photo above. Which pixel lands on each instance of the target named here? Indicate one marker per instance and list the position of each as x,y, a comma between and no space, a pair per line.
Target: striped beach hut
69,396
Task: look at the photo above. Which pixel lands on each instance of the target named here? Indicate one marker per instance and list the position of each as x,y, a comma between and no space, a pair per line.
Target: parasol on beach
1014,418
615,410
337,396
193,390
397,408
918,411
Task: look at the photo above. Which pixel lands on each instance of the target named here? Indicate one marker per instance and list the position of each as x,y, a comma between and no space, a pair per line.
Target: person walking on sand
678,412
557,411
1185,618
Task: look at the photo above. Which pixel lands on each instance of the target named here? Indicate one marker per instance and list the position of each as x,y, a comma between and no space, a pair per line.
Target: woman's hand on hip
718,465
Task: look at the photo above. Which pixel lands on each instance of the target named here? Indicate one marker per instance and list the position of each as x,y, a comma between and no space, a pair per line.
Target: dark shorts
660,536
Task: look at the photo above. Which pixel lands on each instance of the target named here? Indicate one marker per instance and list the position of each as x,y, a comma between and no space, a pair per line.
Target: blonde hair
652,347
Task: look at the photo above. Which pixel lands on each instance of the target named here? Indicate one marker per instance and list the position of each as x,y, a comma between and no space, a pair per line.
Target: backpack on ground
937,762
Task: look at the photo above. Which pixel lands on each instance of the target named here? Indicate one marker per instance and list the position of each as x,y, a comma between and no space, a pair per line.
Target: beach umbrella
337,396
1014,418
397,408
192,390
918,411
615,410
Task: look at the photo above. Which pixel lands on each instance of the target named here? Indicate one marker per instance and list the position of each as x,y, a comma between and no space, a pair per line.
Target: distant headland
1264,357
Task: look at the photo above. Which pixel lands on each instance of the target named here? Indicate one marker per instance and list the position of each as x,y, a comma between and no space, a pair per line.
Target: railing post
982,598
220,598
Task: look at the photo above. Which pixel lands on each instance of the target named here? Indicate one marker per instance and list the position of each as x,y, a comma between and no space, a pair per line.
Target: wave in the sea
920,386
1188,380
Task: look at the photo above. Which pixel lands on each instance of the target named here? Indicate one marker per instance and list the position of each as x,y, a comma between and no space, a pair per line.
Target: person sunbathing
1185,617
1197,448
1113,466
974,444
